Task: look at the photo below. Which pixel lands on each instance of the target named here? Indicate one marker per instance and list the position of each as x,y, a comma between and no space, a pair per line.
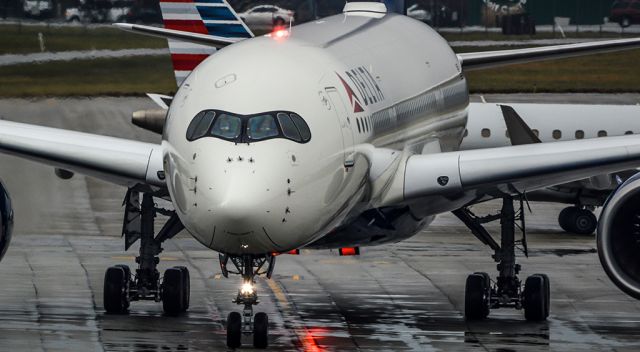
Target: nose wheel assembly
245,323
122,286
481,293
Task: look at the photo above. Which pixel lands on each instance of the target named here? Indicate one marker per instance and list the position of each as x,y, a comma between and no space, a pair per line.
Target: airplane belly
375,227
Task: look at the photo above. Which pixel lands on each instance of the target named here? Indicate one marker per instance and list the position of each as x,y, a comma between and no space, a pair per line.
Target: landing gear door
345,125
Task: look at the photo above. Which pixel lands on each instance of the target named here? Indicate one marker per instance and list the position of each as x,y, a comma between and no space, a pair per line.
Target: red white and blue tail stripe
212,17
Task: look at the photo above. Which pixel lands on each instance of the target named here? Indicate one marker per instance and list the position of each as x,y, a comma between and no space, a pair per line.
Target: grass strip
19,39
122,76
606,73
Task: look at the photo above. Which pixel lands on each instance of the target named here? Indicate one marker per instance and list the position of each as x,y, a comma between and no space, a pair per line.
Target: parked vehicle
418,13
140,14
99,11
37,8
266,16
625,12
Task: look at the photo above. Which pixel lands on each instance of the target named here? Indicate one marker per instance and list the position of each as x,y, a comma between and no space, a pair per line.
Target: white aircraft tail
209,17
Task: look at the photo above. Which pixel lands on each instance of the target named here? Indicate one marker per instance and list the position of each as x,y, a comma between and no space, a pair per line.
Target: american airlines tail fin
208,17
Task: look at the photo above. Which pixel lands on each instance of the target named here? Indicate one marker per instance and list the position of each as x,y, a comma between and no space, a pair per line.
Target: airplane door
345,125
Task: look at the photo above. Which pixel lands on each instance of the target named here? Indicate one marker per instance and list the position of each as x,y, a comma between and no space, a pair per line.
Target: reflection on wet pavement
388,299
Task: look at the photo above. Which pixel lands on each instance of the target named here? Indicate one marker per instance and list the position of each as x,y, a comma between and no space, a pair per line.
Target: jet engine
6,220
618,237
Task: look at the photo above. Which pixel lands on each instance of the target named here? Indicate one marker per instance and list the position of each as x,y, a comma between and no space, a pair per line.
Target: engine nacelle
619,237
6,220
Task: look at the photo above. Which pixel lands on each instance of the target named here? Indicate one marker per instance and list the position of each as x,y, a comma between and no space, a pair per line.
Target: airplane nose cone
240,208
244,198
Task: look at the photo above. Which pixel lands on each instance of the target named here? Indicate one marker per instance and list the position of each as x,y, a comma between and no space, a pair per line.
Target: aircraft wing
196,38
121,161
488,59
494,172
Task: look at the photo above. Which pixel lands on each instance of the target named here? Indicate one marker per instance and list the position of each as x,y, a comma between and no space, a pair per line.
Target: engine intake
6,220
618,237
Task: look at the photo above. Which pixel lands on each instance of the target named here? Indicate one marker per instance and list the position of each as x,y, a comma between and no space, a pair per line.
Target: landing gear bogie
248,266
121,285
481,294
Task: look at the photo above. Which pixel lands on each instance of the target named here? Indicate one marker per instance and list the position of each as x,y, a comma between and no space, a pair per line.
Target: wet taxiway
407,296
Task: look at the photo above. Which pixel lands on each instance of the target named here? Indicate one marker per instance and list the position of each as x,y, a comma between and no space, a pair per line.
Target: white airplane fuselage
357,81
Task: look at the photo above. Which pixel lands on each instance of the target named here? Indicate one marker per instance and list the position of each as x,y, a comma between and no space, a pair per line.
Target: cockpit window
250,128
262,127
288,128
227,127
200,125
305,133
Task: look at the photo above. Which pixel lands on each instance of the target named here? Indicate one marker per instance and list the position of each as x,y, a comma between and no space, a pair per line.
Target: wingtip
123,25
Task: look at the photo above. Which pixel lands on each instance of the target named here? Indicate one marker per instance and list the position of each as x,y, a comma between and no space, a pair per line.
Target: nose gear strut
481,295
248,266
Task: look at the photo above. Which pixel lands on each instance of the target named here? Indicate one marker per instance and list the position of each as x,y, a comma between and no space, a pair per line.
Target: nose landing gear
249,267
121,286
481,295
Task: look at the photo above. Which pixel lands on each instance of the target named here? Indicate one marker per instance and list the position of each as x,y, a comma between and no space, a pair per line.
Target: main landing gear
481,294
121,286
249,267
578,220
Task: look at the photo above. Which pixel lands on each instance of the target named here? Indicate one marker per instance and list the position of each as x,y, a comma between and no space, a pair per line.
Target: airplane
497,125
340,133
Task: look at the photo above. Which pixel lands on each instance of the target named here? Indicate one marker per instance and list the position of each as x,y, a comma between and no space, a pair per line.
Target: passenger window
579,134
358,122
557,134
602,133
486,133
200,125
288,128
628,132
261,127
305,133
227,126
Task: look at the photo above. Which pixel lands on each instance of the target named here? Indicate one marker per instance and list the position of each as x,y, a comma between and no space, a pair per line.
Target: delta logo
369,91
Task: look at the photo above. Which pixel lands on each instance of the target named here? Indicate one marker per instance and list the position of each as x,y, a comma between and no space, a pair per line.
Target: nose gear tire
260,330
234,330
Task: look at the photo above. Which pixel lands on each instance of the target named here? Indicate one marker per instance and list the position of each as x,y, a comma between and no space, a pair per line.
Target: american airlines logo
367,87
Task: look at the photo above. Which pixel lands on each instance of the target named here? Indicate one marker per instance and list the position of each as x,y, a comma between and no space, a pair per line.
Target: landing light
247,288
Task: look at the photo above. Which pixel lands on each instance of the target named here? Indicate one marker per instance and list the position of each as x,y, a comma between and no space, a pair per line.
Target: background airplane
489,127
331,134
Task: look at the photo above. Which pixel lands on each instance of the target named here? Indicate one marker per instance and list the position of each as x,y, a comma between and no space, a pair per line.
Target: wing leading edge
490,173
488,59
121,161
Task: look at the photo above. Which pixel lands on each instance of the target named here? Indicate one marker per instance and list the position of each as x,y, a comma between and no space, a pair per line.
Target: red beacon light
279,33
